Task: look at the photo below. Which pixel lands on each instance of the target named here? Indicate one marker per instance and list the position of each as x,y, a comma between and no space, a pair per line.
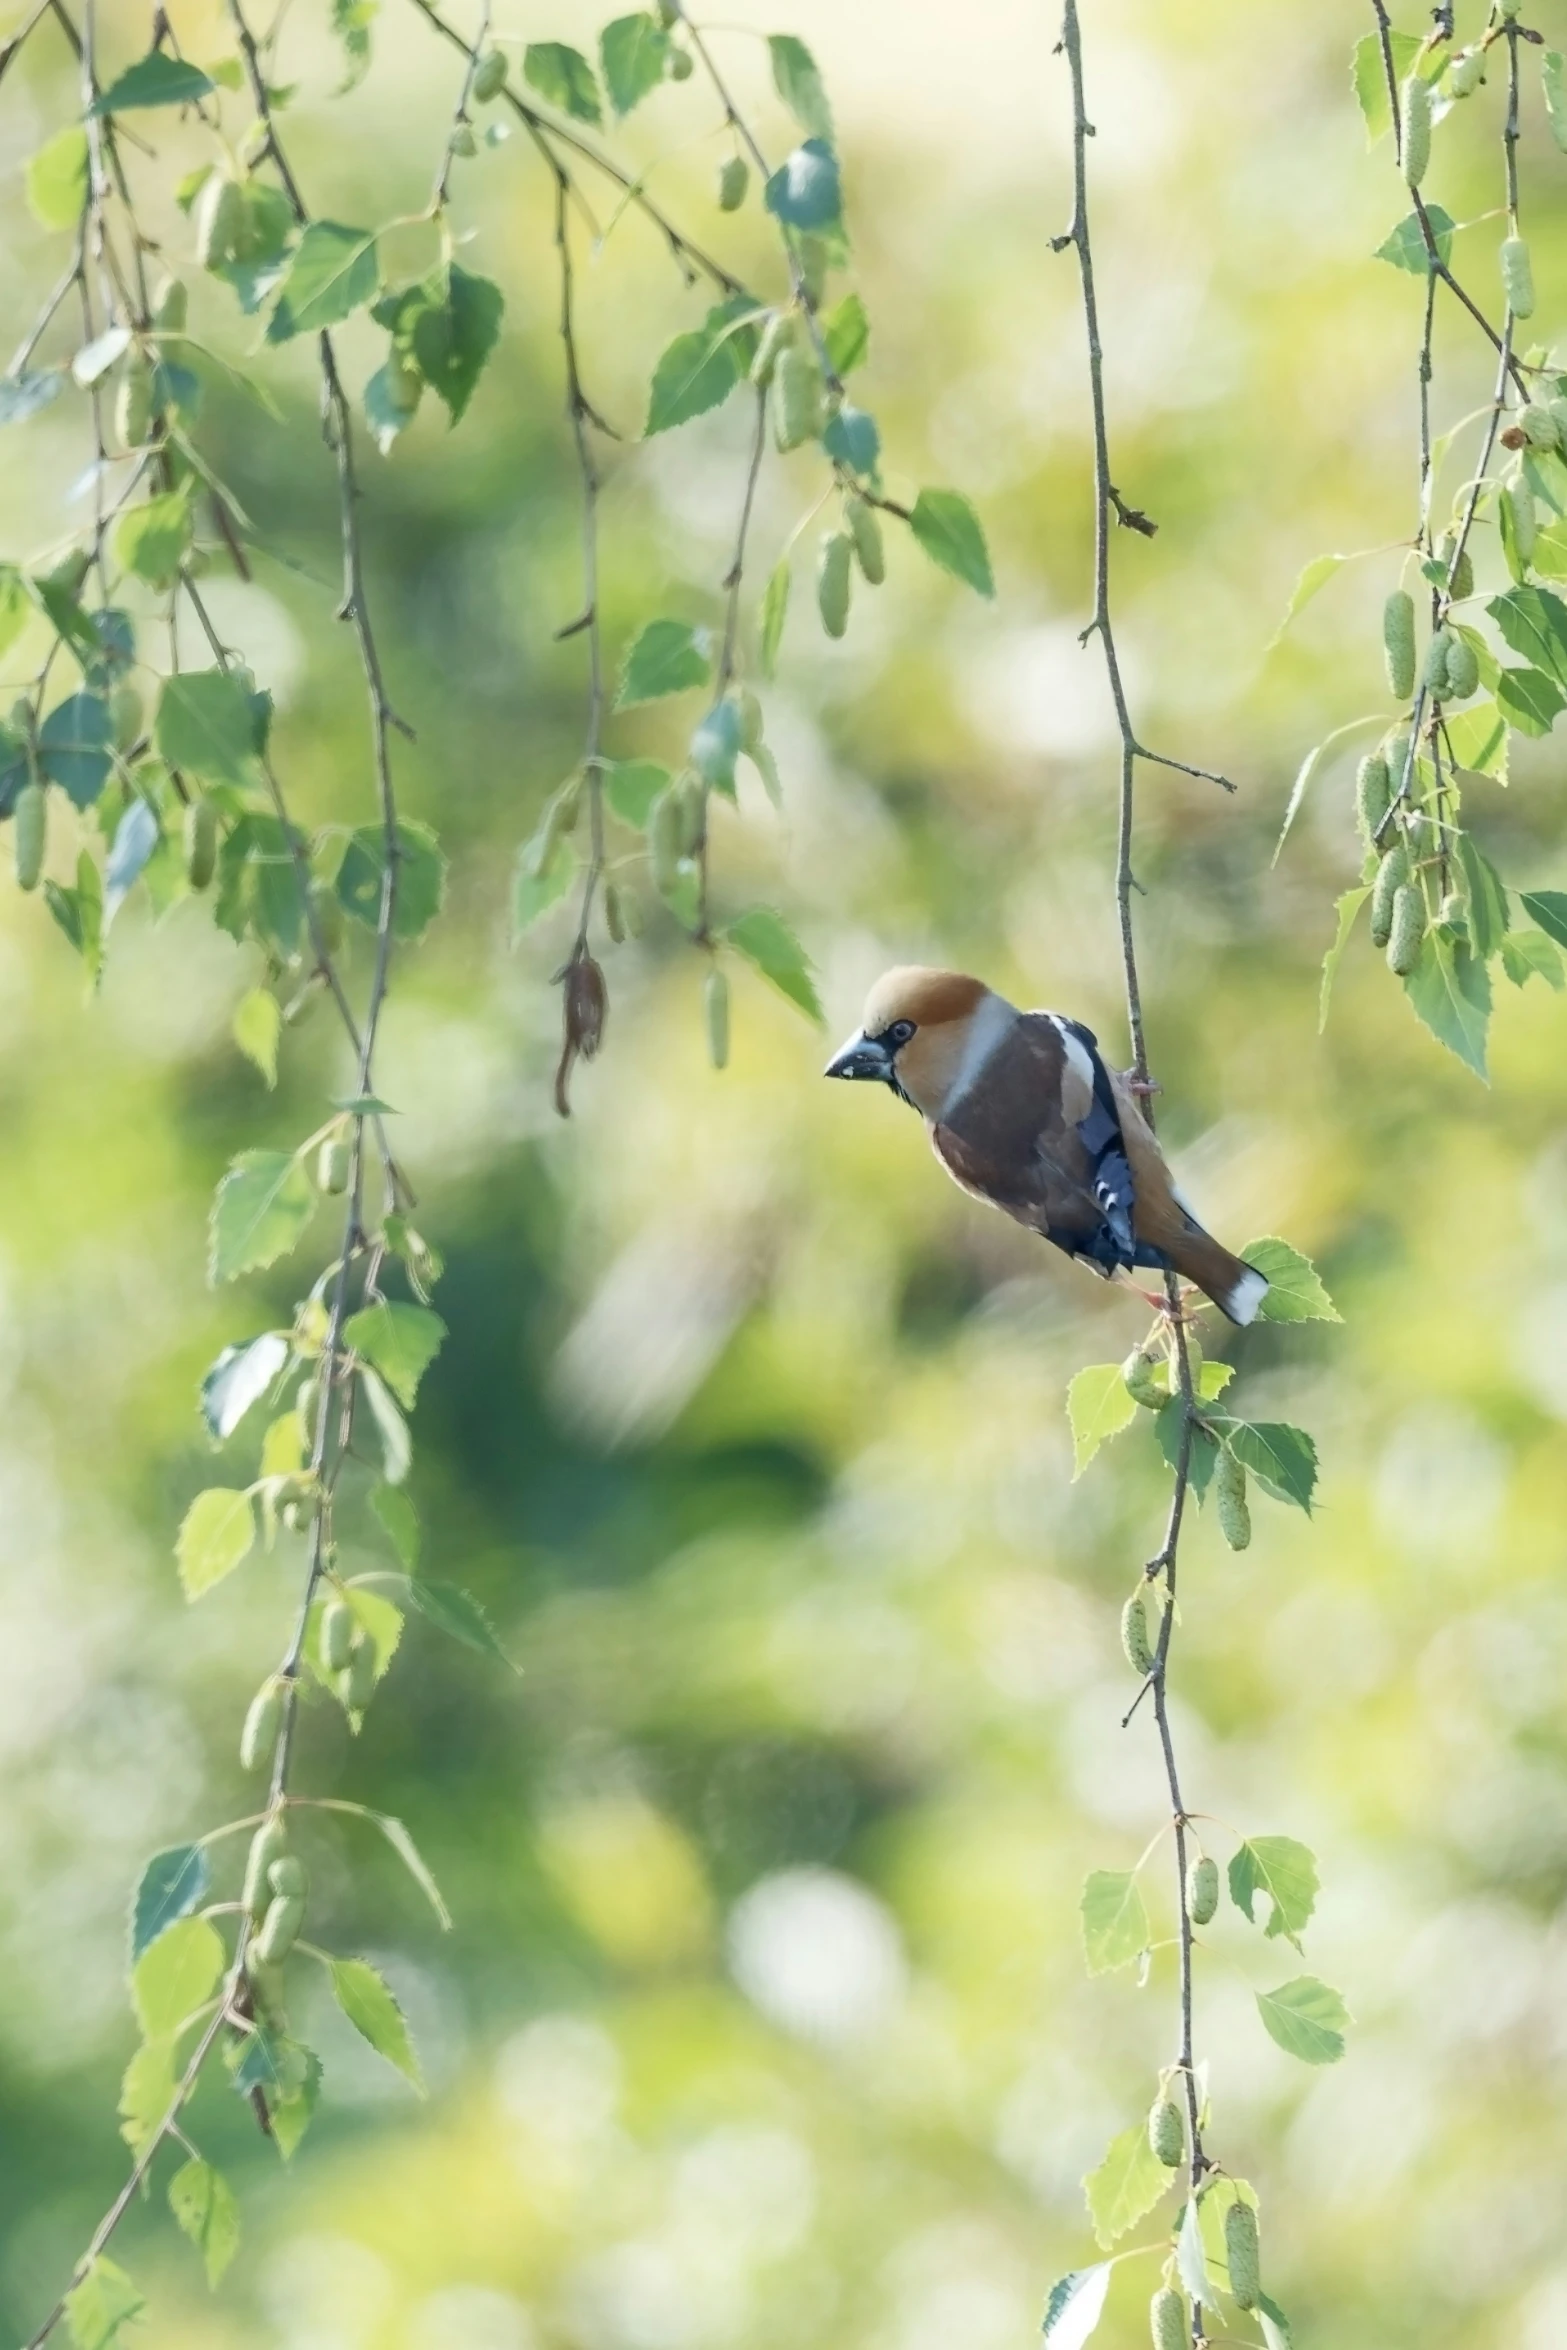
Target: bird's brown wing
1040,1137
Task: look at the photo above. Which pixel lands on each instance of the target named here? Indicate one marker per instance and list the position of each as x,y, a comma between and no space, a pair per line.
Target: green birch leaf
333,272
1477,738
1405,246
1528,954
1369,74
147,2093
216,1536
257,1029
563,78
1450,990
1308,2019
1075,2307
389,1427
239,1378
154,80
1529,700
57,179
1191,2257
1489,919
1287,1873
1115,1920
1126,2186
1295,1290
151,539
634,55
1348,909
631,787
799,85
173,1883
538,887
73,747
695,373
1099,1405
775,611
259,1213
667,658
205,724
767,942
402,1341
1283,1460
98,2309
846,331
291,2112
1204,1453
203,2204
421,879
947,527
458,1614
176,1975
366,2000
401,1521
1548,909
454,335
1276,2332
1534,623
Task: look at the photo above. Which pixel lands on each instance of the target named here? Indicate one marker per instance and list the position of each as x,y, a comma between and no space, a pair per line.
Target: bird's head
916,1035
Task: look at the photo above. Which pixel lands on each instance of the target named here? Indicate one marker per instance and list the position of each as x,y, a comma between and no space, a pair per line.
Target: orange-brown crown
929,998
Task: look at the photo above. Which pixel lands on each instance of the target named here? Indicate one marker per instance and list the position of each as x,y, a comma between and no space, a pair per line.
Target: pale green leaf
57,179
1283,1460
1295,1290
205,723
563,78
1308,2019
1099,1405
668,658
366,2000
389,1428
1126,2186
176,1975
1450,990
799,85
258,1028
239,1378
1286,1872
333,272
1369,73
215,1537
765,940
775,611
203,2203
401,1520
99,2308
947,527
1115,1920
151,539
634,54
1348,909
1075,2307
259,1213
402,1341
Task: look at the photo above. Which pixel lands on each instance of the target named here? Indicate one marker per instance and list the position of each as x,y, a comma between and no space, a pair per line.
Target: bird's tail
1235,1287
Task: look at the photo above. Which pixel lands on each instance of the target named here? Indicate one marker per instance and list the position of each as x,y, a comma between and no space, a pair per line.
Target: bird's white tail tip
1244,1296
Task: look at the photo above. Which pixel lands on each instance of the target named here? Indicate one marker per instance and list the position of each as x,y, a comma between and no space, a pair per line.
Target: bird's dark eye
899,1033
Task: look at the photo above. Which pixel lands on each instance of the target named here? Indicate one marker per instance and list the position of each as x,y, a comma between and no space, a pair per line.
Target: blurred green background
764,2021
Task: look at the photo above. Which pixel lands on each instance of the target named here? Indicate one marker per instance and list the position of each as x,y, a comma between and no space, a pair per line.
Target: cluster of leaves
793,356
1437,906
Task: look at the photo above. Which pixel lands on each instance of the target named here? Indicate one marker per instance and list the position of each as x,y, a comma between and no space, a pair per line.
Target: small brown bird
1023,1112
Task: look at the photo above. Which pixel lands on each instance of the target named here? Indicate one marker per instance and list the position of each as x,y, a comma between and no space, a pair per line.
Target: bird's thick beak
862,1056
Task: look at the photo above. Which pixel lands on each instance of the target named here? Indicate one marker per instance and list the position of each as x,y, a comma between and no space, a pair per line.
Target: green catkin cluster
1392,874
666,840
1398,643
262,1723
489,78
1166,2135
201,841
1466,72
1242,2254
1202,1889
733,180
1517,277
1142,1383
338,1626
716,1004
1134,1634
1417,129
1229,1493
1458,568
865,530
1167,2320
1520,513
333,1166
267,1845
31,820
1373,796
1407,931
832,581
798,409
285,1911
1463,669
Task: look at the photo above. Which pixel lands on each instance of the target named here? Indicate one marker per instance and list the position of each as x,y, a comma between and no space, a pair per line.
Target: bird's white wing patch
1077,1078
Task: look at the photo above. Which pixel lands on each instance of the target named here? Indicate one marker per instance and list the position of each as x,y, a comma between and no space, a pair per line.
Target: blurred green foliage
765,2018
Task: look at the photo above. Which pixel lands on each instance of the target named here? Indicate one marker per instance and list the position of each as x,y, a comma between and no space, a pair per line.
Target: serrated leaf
634,54
698,370
203,2204
457,1613
1115,1920
1306,2018
1529,700
1098,1406
57,179
291,2113
98,2309
1275,2325
454,333
1283,1460
846,331
1489,918
1075,2307
1527,954
266,2060
1534,623
1477,738
389,1427
151,539
205,723
563,78
1369,75
1314,576
1405,246
216,1536
1450,990
147,2093
1295,1288
73,747
805,191
767,942
947,527
402,1341
176,1975
799,85
401,1521
775,611
1547,908
257,1029
1191,2255
239,1378
421,878
538,887
631,786
1204,1456
367,2001
851,438
1286,1872
172,1884
154,80
667,658
259,1213
1126,2186
334,270
1348,910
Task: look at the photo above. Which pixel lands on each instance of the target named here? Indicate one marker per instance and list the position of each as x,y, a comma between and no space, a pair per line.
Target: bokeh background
764,2021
